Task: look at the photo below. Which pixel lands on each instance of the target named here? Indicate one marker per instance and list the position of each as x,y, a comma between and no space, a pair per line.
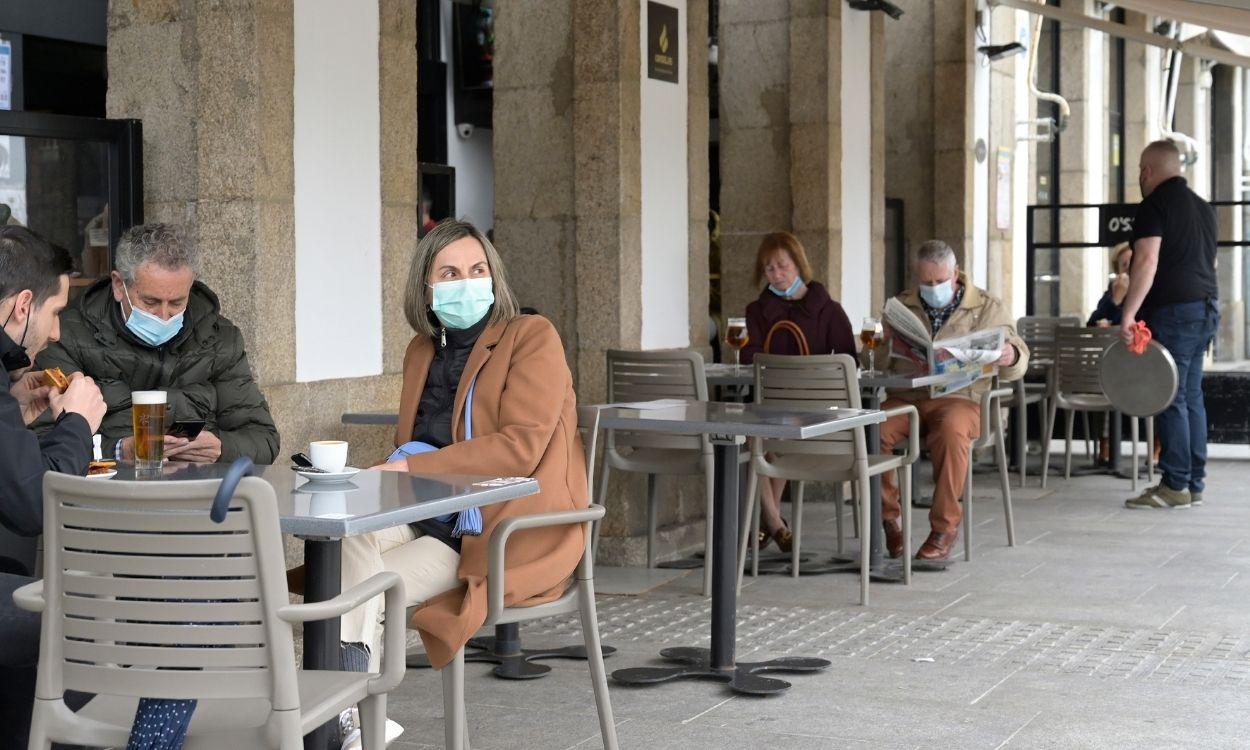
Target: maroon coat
822,321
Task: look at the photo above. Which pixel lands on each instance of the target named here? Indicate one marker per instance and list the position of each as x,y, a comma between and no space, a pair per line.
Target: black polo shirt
1186,224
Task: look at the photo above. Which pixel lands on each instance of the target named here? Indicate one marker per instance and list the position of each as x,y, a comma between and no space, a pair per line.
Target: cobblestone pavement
1102,628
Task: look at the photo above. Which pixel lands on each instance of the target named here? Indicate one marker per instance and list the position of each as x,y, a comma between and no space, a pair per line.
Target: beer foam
147,398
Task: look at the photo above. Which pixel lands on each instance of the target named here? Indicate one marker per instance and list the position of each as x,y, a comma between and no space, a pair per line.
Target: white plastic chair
992,434
647,376
144,596
822,381
579,598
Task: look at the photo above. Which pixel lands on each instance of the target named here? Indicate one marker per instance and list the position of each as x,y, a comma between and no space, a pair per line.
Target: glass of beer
148,412
870,335
736,337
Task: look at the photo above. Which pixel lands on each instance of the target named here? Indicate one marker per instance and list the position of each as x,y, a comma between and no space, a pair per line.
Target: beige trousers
426,565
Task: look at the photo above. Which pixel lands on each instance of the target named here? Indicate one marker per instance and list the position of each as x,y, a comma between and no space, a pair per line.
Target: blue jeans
1185,330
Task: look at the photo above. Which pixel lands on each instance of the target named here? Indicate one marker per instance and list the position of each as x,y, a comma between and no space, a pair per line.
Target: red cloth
823,321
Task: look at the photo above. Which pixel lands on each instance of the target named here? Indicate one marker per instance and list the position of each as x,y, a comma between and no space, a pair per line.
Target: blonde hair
786,242
1119,250
416,304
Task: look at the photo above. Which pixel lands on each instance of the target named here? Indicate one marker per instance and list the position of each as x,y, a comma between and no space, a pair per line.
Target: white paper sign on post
6,75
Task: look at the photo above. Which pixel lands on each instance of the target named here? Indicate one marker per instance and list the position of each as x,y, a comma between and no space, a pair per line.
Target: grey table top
370,501
749,420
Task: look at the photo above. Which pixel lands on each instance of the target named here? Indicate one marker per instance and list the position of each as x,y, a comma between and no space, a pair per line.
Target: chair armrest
393,628
991,399
30,597
913,431
357,595
499,541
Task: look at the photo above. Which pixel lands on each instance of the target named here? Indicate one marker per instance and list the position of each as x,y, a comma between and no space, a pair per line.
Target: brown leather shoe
937,546
893,537
785,539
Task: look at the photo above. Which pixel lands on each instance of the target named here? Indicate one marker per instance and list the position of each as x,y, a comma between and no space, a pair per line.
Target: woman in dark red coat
792,296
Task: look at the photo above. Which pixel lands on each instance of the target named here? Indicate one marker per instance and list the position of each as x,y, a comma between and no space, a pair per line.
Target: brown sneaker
937,546
893,537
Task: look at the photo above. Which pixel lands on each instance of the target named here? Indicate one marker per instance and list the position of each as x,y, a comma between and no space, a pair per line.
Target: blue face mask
150,329
794,288
462,304
938,295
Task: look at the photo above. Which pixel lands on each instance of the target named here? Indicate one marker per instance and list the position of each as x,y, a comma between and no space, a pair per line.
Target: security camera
889,8
997,52
465,129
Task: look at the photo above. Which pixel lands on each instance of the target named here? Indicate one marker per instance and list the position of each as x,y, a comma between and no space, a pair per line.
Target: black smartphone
186,428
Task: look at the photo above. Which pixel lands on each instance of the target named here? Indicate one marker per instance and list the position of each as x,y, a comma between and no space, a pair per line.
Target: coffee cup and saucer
325,462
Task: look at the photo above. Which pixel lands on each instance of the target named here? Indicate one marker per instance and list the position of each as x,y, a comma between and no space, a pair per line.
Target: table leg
718,662
323,566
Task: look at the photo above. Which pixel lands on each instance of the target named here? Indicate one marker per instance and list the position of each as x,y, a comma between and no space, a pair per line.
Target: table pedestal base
504,649
744,677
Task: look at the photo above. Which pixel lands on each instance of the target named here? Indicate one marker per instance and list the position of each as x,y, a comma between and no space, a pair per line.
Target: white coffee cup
328,455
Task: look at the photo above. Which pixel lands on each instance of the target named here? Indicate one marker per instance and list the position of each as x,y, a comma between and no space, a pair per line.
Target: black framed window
76,180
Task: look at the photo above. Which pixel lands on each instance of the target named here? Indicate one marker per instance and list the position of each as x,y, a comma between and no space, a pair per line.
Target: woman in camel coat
472,336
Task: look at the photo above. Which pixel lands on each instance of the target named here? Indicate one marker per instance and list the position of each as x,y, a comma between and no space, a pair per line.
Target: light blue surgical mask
790,292
938,295
150,329
463,303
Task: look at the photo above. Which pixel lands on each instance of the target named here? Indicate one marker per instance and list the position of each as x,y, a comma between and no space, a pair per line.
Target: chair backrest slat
650,376
816,381
1038,333
1079,353
147,597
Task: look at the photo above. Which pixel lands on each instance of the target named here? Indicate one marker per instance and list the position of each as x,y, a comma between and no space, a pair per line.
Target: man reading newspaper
945,325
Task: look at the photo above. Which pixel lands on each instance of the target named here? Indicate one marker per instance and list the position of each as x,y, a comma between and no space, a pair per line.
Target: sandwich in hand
100,467
54,378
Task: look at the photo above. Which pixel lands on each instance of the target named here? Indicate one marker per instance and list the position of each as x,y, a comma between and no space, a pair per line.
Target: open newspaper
971,355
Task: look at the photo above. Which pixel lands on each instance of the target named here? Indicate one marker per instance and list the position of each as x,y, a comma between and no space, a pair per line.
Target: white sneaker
349,723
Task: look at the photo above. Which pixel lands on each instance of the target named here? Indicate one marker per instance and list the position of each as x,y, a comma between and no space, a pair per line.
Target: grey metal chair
995,436
579,598
1038,333
144,596
822,381
646,376
1077,388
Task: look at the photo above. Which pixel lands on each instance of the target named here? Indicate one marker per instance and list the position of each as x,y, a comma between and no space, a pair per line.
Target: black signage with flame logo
662,47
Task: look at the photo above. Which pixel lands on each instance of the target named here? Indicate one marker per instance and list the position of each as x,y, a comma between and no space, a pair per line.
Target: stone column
815,112
568,205
754,43
953,161
1082,273
909,151
213,84
1143,89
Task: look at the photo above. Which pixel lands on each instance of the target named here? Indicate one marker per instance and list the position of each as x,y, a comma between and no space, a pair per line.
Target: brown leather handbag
793,328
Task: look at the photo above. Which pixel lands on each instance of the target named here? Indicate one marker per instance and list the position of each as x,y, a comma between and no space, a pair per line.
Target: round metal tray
1140,385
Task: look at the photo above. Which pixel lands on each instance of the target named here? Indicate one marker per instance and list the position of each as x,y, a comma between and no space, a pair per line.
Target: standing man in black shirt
1173,287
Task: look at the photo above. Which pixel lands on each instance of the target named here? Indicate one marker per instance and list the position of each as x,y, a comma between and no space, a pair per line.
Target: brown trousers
948,425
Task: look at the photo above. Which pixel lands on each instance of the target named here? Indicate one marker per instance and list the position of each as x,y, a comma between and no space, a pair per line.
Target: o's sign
1115,223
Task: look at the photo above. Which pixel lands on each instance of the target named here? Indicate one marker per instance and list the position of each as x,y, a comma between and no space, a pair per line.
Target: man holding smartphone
152,326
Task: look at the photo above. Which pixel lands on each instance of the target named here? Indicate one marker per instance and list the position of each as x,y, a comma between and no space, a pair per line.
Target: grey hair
416,300
936,252
162,244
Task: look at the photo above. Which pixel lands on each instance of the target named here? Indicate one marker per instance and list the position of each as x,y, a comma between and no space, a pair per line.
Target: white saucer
105,475
339,476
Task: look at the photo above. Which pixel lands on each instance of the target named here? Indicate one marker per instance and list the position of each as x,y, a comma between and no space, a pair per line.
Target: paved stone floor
1103,628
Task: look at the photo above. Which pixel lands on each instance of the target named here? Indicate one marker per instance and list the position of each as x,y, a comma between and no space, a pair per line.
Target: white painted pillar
338,192
665,196
856,115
